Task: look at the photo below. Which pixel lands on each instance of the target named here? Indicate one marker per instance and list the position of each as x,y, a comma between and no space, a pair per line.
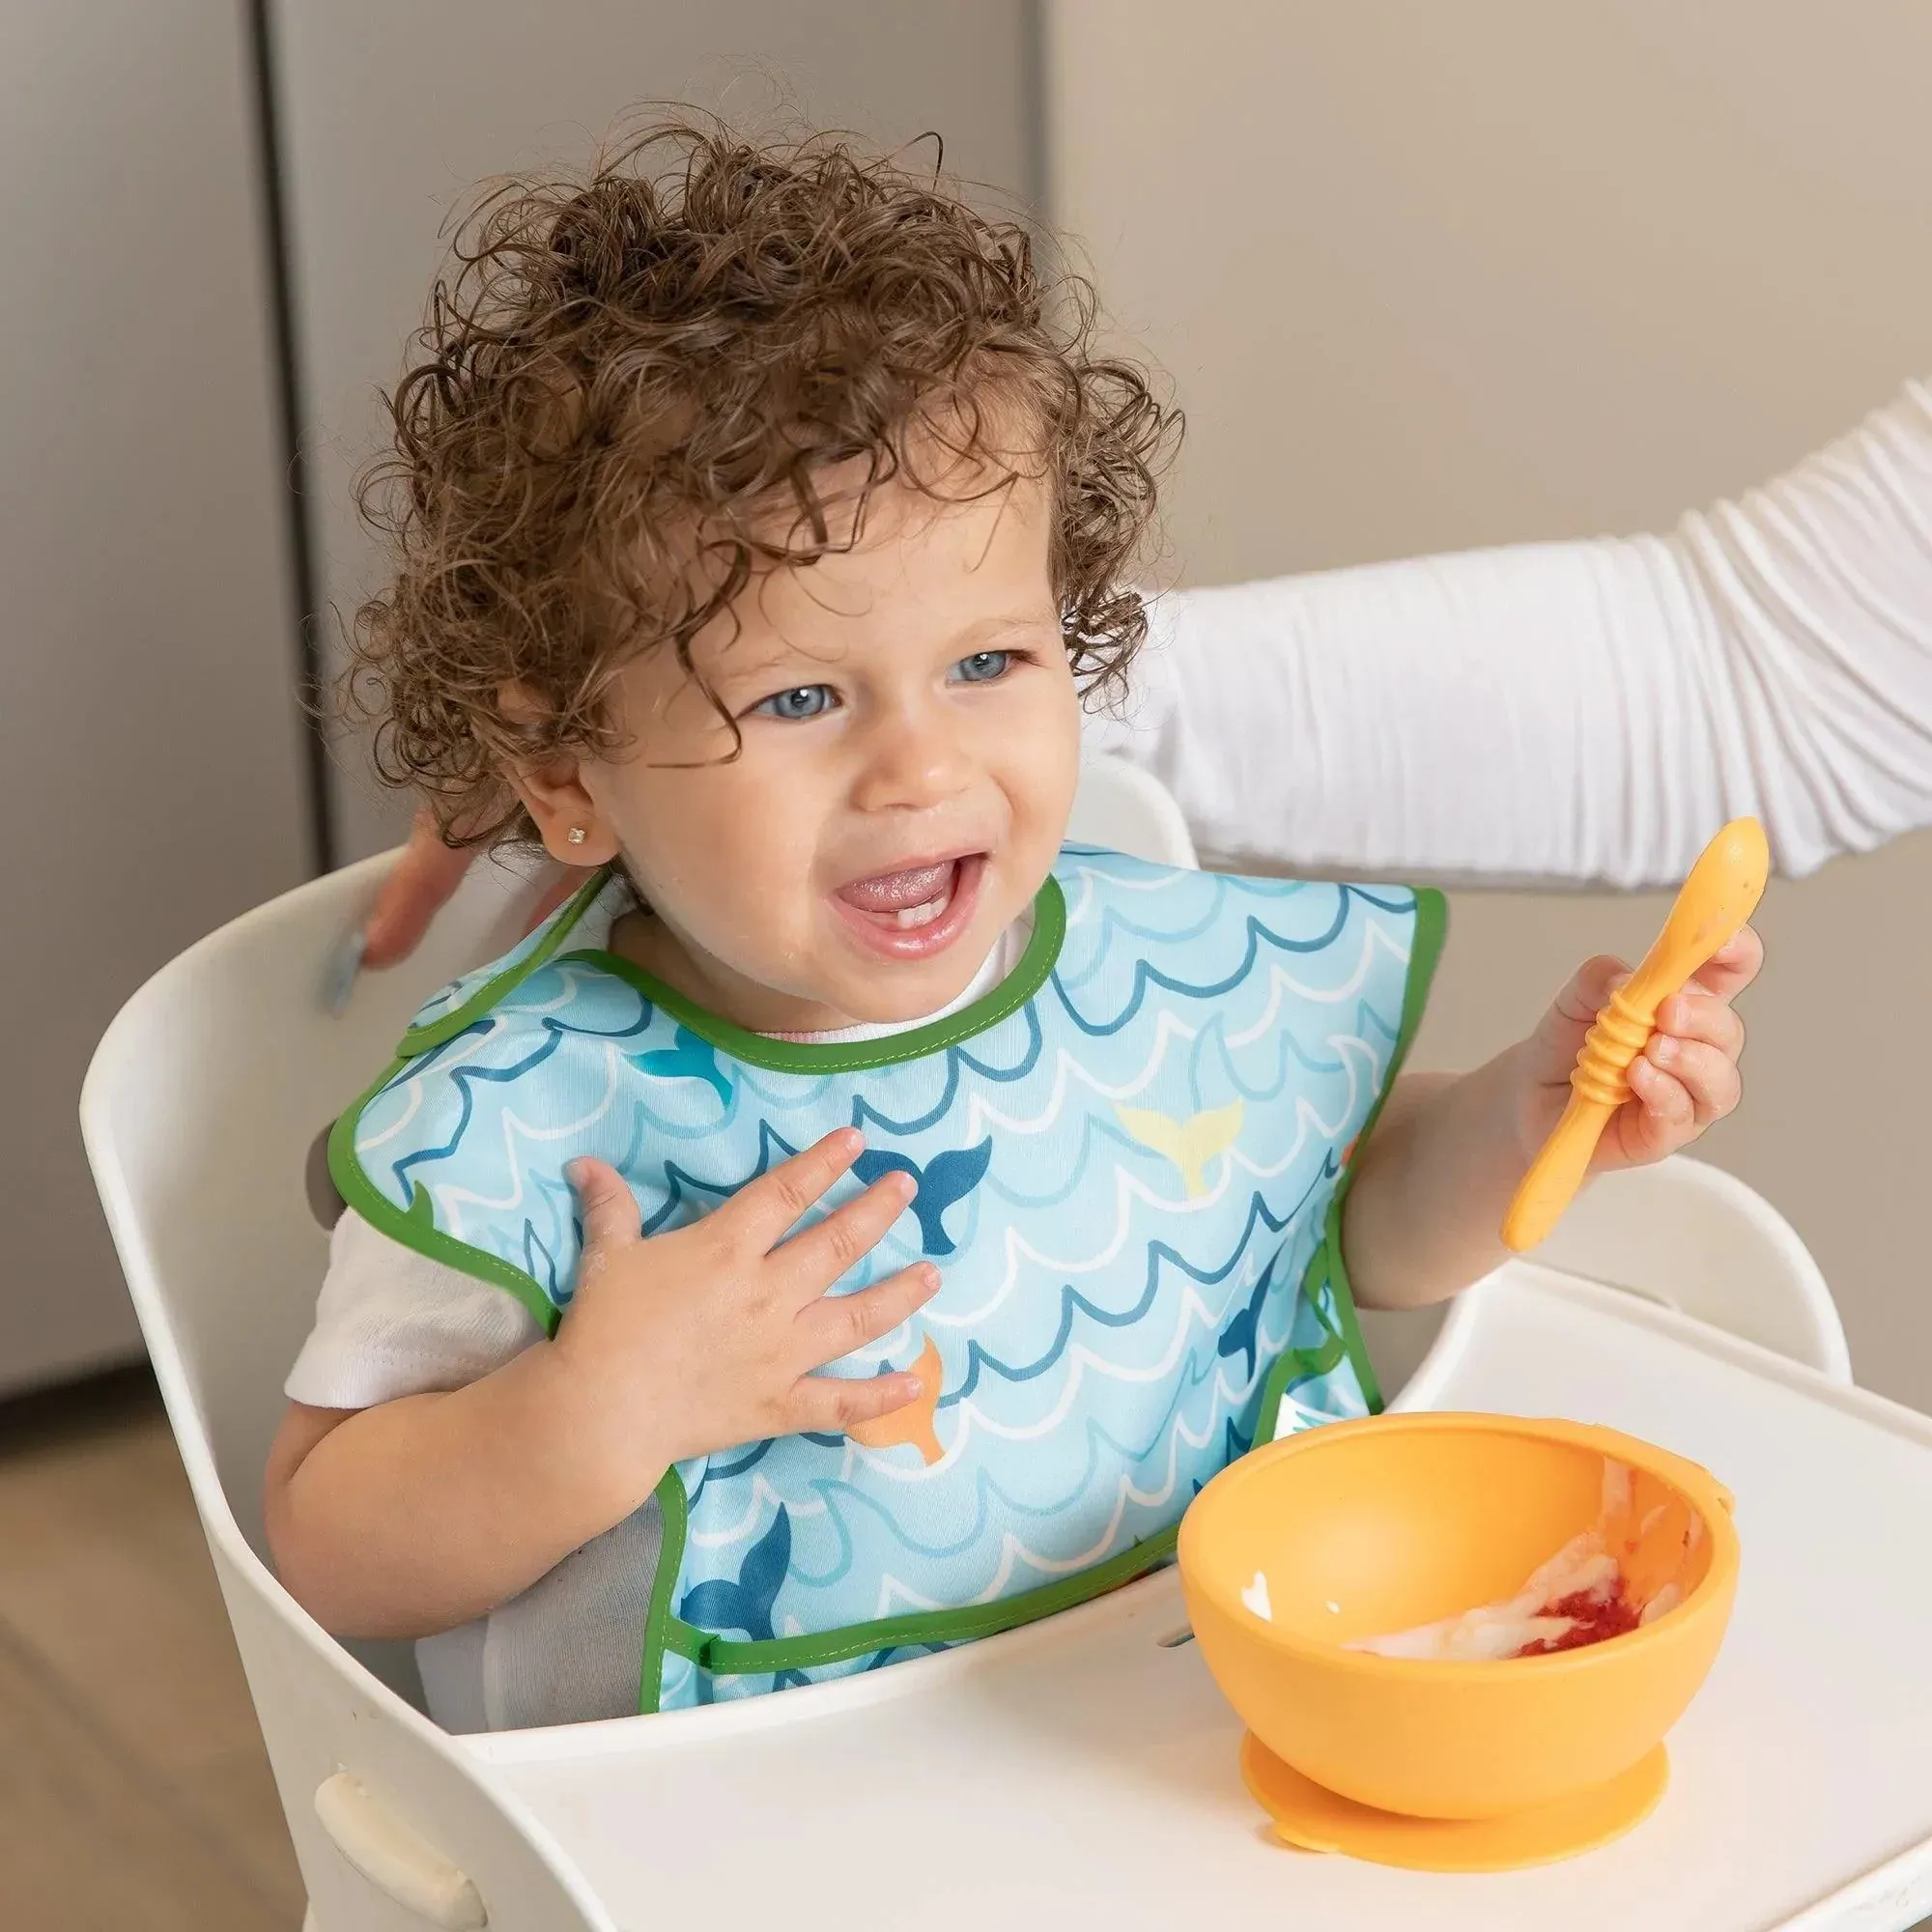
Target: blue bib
1130,1159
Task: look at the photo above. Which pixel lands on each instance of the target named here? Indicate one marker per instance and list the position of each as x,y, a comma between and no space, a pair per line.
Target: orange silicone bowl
1364,1528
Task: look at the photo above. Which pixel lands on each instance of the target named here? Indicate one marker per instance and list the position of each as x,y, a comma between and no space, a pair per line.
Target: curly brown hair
630,394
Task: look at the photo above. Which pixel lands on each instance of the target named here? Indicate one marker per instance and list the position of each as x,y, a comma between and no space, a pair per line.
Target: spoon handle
1717,900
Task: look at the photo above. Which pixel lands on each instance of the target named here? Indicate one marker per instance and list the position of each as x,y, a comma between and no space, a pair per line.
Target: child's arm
420,1514
1435,1179
416,1515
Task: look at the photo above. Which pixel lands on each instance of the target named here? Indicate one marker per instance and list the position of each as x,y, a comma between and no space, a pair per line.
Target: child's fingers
830,1405
1666,1115
1589,990
761,1214
836,1325
1709,1075
1699,1017
1560,1031
610,1214
815,1257
1684,1083
1733,966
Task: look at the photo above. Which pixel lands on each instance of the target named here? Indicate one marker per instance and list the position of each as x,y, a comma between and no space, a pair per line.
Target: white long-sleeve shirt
1582,712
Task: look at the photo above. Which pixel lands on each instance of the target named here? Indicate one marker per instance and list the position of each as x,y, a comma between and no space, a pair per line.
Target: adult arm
1581,712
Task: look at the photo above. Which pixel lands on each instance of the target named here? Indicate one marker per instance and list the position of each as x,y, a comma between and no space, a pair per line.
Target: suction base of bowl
1313,1819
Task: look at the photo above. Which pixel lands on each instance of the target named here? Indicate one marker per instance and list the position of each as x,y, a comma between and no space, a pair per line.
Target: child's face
910,750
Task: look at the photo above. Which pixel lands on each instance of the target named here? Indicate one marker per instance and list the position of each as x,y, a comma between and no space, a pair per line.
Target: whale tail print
913,1422
1189,1143
745,1605
687,1058
944,1180
1243,1334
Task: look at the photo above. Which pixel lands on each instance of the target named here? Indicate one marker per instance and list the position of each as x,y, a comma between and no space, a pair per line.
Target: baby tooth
921,915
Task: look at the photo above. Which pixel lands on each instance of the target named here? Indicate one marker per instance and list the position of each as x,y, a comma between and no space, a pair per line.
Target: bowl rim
1692,1481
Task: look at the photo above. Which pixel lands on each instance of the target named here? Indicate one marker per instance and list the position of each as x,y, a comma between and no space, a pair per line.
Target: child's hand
707,1337
1685,1078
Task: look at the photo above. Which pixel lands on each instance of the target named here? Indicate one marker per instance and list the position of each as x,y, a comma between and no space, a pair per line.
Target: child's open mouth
915,911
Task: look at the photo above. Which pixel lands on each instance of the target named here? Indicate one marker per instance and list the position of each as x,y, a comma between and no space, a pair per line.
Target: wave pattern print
1127,1181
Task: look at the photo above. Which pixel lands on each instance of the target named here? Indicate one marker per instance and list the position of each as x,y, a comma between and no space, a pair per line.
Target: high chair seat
1000,1784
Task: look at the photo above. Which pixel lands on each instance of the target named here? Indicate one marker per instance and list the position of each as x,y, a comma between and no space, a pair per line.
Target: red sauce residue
1595,1618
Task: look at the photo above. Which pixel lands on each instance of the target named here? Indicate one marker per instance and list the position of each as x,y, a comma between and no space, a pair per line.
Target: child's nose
912,760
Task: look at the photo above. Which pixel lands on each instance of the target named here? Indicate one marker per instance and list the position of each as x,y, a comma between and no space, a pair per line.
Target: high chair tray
1083,1773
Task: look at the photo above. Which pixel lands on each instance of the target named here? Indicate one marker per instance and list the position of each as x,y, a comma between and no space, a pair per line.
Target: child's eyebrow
998,627
754,666
784,657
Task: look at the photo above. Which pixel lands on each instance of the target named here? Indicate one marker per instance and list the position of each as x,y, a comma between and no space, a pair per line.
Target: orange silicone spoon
1720,896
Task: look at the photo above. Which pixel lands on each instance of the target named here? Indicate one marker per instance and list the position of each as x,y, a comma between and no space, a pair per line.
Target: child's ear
567,819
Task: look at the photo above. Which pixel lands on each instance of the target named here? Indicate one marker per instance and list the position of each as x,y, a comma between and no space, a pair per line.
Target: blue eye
802,701
983,667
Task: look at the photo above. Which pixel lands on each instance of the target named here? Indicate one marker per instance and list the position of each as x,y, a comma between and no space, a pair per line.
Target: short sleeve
391,1323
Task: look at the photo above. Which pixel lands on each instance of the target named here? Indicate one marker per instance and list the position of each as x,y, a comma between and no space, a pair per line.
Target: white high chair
1002,1782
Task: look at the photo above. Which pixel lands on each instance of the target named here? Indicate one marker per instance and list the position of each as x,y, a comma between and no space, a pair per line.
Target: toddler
856,1222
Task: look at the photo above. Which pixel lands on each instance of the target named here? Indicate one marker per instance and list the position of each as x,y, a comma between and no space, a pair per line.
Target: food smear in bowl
1579,1596
1616,1576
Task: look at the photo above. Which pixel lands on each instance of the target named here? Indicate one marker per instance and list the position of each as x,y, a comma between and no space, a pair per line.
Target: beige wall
1433,276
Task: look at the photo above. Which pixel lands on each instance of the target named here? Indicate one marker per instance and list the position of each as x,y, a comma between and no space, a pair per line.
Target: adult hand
420,885
418,888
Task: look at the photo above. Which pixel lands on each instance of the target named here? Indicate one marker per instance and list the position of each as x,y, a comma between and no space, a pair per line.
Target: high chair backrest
207,1094
201,1108
209,1089
1120,807
200,1111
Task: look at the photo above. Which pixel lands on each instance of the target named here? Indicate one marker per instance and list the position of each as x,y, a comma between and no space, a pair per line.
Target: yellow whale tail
1190,1144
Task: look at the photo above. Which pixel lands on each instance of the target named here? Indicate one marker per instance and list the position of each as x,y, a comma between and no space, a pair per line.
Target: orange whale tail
913,1422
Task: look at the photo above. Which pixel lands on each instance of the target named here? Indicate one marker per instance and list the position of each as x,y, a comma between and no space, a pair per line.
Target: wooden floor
134,1795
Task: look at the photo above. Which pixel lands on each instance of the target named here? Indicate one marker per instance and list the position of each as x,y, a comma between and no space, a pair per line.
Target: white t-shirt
391,1323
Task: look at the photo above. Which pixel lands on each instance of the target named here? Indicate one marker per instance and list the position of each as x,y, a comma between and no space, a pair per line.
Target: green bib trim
417,1229
727,1656
662,1630
1326,1264
665,1632
420,1038
791,1056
